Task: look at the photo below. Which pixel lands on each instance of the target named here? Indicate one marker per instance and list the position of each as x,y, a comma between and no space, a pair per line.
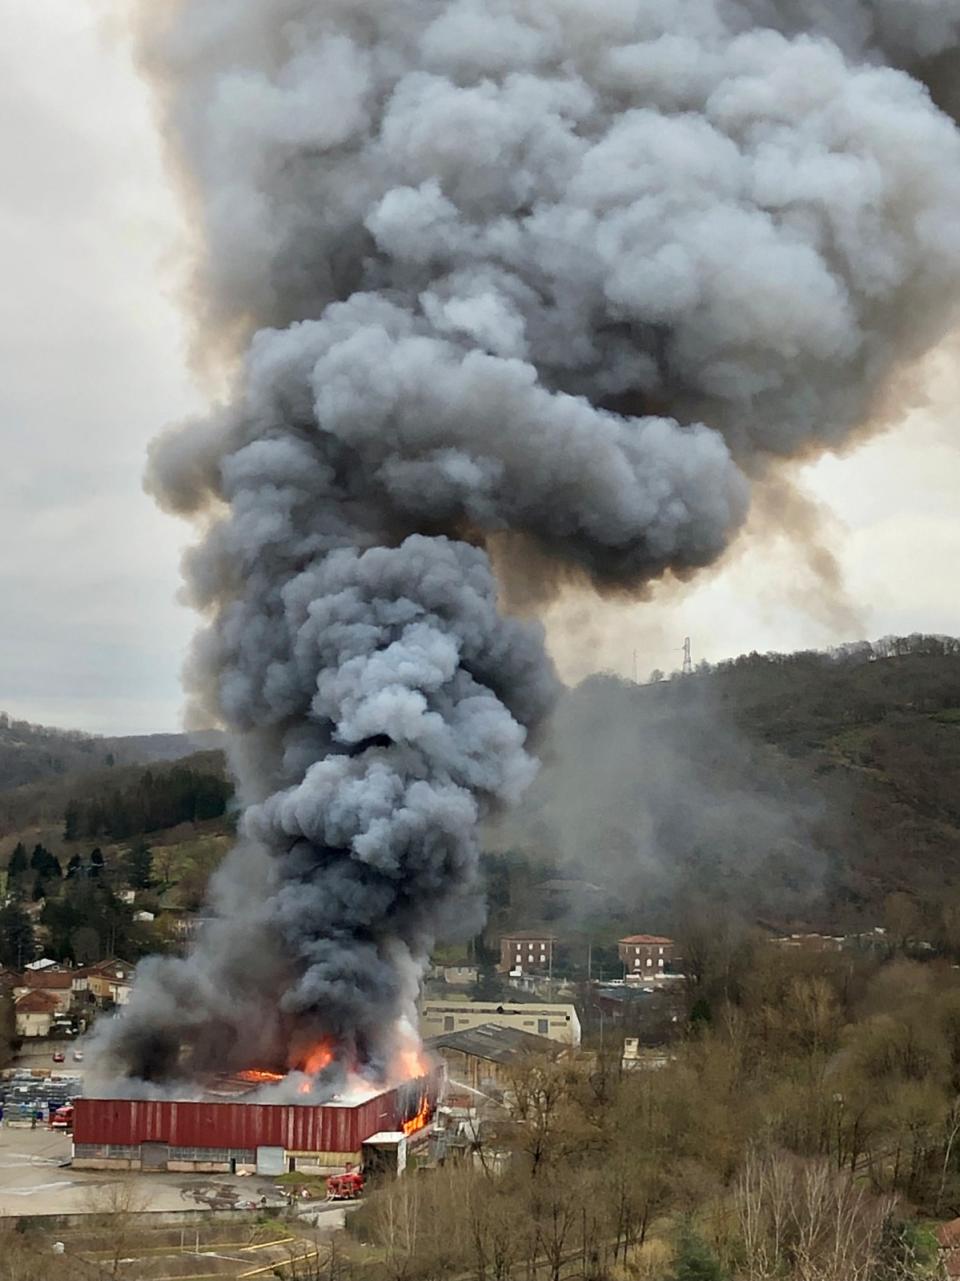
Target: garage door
269,1160
154,1156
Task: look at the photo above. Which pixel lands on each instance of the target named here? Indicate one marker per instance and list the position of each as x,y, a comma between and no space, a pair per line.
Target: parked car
78,1056
59,1056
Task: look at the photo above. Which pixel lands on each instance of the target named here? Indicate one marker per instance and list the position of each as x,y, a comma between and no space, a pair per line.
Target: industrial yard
36,1178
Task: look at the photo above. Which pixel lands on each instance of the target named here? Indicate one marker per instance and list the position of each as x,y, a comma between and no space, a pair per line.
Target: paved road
41,1056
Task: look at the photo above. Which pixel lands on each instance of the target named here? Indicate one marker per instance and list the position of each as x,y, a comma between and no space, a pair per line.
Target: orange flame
258,1076
422,1119
317,1059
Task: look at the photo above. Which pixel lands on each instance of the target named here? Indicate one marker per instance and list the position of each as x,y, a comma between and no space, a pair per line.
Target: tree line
151,803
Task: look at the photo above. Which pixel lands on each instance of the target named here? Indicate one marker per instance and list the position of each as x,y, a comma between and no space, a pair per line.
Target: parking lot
35,1179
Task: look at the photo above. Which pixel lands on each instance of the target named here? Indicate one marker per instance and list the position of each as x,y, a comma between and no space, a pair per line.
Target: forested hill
801,789
31,753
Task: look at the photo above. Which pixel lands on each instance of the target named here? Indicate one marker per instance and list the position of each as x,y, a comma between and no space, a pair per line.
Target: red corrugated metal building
136,1134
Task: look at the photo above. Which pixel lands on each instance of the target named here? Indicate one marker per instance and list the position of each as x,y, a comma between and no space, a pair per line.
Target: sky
93,364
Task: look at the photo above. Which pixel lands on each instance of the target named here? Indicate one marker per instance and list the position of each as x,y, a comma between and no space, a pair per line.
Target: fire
320,1057
422,1118
258,1076
411,1063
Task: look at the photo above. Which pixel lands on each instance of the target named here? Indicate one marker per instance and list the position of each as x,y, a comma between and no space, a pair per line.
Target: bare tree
807,1219
116,1208
397,1226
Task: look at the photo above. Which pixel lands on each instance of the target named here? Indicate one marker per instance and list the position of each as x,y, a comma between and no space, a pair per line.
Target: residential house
645,955
109,982
58,984
34,1012
184,926
527,952
557,1022
481,1057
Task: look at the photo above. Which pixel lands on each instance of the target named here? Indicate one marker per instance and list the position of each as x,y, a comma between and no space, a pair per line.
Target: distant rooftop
529,934
36,1003
492,1042
645,938
37,980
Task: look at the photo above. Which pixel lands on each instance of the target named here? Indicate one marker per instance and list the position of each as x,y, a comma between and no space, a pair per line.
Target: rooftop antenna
687,668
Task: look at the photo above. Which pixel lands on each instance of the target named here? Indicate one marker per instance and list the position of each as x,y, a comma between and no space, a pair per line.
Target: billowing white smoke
541,275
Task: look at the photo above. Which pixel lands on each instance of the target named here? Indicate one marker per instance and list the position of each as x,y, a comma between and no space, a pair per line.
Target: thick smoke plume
538,277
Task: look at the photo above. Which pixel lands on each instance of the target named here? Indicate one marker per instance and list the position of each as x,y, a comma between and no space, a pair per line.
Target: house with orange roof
34,1013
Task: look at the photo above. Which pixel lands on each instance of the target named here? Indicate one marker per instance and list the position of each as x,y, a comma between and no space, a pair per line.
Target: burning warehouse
231,1134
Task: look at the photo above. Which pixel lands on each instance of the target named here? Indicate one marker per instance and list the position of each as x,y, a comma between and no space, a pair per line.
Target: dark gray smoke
541,277
672,802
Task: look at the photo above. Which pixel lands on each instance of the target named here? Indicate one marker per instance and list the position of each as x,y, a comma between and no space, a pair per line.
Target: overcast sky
92,365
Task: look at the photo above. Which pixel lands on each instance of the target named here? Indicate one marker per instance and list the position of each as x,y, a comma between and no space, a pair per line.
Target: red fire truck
345,1187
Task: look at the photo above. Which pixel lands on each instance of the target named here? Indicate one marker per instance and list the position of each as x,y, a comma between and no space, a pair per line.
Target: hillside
30,753
799,789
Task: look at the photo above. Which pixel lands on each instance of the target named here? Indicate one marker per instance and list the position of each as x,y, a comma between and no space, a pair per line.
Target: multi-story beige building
559,1022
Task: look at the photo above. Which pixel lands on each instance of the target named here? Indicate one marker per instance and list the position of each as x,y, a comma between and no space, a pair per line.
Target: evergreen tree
18,862
694,1260
17,942
74,867
140,865
71,821
45,864
96,862
8,1029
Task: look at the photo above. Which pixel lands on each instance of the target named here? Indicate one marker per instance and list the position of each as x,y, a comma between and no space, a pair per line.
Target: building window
449,1023
543,1026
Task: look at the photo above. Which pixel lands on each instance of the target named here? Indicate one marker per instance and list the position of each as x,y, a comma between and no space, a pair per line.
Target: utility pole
589,962
687,669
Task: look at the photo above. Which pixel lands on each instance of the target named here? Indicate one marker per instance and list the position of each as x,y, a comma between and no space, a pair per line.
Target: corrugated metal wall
331,1127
